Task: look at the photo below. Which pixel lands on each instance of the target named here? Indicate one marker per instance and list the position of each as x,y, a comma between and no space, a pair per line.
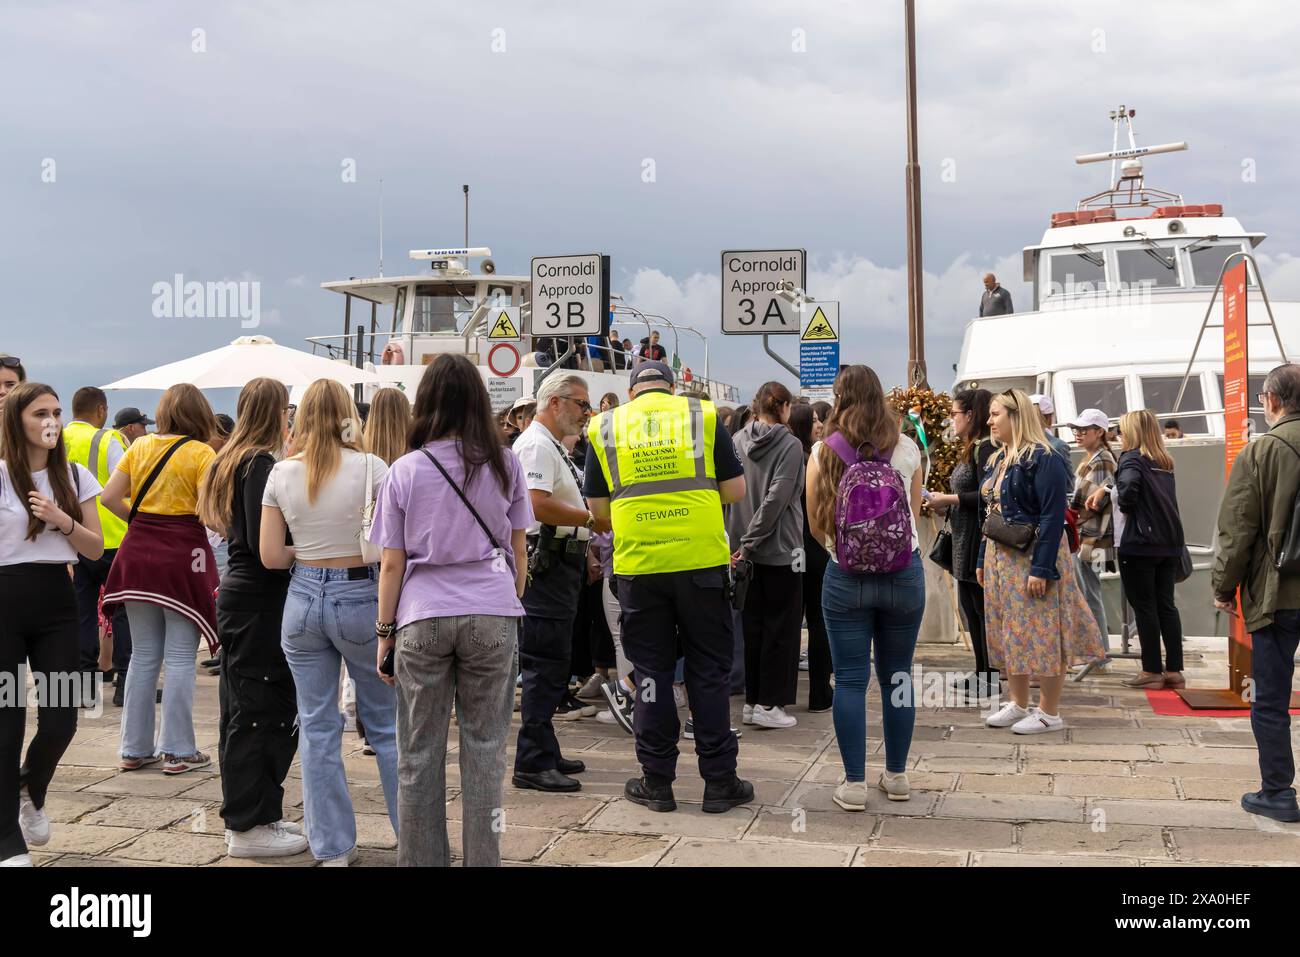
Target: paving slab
1129,840
994,859
173,847
1218,846
879,857
689,820
1174,813
701,853
1010,807
601,848
910,833
1100,785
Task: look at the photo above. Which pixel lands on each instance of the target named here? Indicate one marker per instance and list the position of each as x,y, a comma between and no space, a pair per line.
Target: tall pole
466,190
916,375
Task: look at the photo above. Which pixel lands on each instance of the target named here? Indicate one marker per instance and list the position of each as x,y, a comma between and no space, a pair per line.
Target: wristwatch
590,522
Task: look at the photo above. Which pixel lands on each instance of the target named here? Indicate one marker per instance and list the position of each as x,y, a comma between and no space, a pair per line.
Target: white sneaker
747,714
343,860
895,785
18,860
851,795
679,696
35,824
266,840
1038,721
1006,716
605,717
773,717
293,827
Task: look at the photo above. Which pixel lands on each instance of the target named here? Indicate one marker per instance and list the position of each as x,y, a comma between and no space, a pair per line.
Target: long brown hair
388,424
259,427
184,410
13,438
1141,430
327,423
866,420
452,402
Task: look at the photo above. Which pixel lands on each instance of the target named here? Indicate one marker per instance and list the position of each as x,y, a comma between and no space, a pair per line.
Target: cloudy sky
212,140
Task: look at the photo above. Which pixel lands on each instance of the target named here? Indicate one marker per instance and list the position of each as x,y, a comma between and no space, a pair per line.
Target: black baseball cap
652,370
130,416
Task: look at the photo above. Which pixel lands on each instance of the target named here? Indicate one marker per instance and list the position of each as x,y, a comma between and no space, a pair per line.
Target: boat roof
1152,227
383,289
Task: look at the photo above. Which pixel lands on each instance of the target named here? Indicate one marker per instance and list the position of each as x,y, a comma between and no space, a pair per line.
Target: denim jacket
1033,492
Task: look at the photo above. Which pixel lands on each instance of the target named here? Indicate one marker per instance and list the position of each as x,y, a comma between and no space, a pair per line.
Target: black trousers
820,693
38,628
656,610
773,615
88,577
1149,587
544,660
259,710
1273,667
970,598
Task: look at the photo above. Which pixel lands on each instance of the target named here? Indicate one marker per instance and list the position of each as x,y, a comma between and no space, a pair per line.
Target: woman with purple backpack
864,490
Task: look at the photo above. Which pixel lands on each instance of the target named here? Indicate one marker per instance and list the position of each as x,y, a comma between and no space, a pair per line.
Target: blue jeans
160,636
861,610
328,620
1273,663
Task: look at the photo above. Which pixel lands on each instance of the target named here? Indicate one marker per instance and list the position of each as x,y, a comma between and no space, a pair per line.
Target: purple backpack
873,522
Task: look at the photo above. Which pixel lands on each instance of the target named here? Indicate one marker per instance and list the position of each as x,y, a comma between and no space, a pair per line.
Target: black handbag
1011,534
941,550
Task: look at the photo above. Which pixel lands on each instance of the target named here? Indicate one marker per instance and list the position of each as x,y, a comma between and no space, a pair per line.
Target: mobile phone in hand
386,666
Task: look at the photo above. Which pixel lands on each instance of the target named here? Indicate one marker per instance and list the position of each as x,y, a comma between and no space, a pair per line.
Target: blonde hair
327,423
388,425
1027,430
1141,430
259,427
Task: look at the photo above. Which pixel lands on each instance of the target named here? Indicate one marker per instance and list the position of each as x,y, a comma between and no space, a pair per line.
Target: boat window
1254,386
1148,266
441,307
399,307
1159,392
1105,394
1076,273
1207,259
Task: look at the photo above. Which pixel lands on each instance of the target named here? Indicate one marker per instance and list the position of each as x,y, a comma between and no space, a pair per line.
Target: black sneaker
688,730
119,693
619,702
570,709
722,794
657,796
212,665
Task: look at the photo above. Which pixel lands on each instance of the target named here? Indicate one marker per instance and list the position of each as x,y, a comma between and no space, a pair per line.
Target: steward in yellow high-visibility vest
90,443
661,467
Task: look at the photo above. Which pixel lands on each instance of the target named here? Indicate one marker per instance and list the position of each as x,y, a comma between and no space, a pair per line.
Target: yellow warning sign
503,328
819,329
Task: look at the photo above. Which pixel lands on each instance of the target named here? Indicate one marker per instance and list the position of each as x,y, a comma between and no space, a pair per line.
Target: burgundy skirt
166,560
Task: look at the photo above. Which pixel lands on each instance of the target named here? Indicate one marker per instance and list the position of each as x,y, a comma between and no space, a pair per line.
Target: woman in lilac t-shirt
449,587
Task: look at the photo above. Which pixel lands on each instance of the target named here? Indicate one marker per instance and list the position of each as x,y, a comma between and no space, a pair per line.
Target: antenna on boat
1130,166
381,227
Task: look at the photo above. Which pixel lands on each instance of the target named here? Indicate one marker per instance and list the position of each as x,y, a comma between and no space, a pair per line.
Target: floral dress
1028,635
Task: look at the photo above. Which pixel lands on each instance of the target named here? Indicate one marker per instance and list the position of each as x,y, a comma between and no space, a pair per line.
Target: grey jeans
1090,583
467,659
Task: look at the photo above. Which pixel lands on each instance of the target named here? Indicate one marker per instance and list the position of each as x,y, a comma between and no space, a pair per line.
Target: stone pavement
1121,786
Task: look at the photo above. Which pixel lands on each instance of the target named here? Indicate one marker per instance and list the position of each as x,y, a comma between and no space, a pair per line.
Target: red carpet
1167,702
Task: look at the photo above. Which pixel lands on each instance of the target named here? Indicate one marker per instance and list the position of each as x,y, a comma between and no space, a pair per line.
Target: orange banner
1236,424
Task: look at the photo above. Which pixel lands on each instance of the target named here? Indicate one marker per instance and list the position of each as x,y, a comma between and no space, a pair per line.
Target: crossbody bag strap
472,510
157,470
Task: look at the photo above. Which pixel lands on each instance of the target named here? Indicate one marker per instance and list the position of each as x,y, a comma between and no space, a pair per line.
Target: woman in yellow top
165,575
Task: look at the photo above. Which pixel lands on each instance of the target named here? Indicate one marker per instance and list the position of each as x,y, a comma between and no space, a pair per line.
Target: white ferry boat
1122,286
411,319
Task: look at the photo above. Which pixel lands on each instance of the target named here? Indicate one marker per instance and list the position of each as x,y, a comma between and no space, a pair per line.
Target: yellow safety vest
88,446
656,453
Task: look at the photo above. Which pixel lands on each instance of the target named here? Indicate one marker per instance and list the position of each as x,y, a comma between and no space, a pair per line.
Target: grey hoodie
767,524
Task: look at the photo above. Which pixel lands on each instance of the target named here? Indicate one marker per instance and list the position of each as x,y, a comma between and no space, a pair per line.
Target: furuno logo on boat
76,910
226,299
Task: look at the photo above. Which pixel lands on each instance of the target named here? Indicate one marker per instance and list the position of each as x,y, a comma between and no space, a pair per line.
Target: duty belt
566,546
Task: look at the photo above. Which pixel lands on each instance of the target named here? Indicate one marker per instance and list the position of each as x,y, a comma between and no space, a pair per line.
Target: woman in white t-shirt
319,496
866,609
48,517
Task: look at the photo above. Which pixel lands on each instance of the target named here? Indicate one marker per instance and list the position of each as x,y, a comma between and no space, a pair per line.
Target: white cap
1044,404
1090,417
